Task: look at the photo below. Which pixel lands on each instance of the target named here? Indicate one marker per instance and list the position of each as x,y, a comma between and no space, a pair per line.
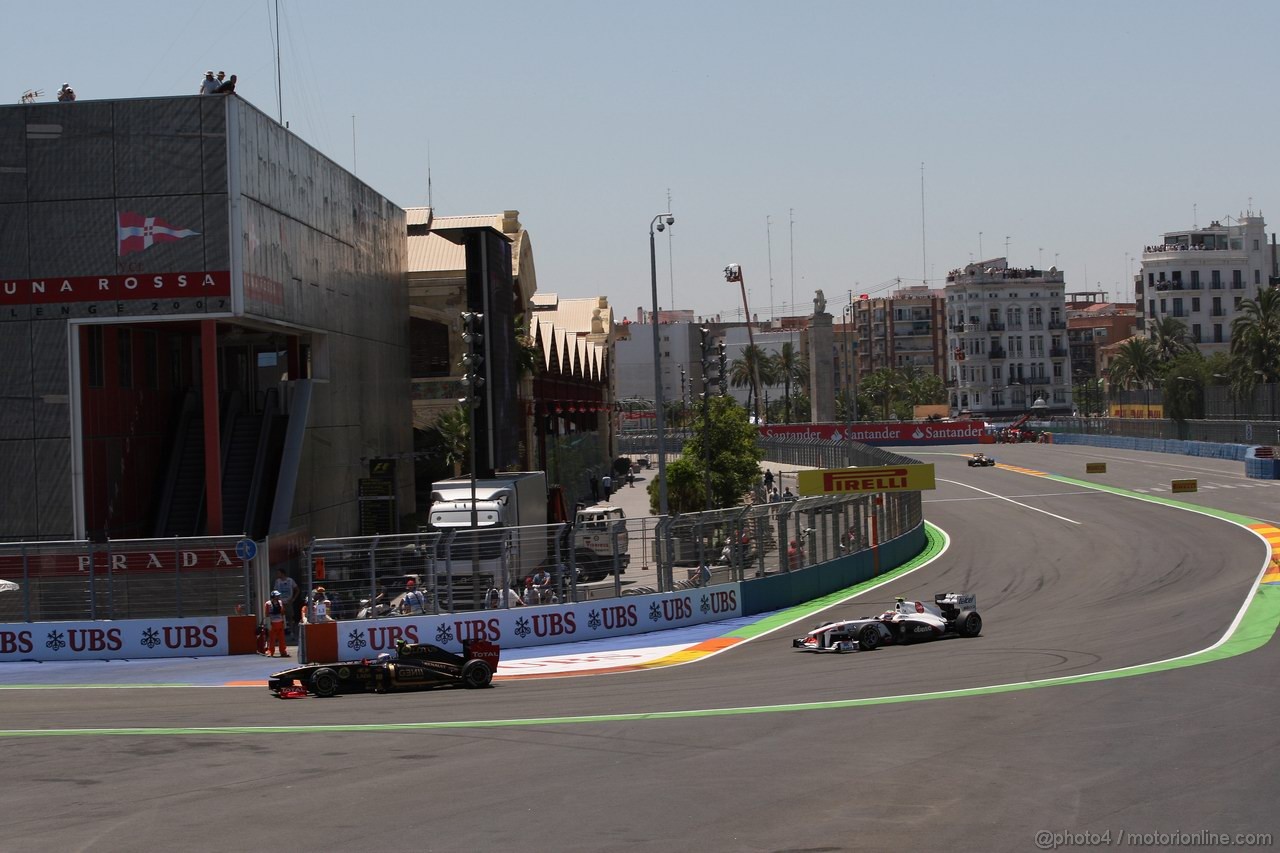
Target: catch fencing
79,580
452,571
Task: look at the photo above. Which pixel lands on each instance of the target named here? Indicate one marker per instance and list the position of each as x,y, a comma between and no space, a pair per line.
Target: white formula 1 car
950,615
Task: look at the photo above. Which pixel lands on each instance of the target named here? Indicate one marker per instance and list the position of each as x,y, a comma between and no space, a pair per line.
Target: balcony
1057,324
1057,352
1217,312
997,353
995,326
1168,285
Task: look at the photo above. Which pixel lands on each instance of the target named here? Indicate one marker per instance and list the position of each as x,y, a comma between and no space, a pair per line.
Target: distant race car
950,615
981,460
415,666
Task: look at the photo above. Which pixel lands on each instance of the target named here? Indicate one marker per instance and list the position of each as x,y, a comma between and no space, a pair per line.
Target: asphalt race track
1069,580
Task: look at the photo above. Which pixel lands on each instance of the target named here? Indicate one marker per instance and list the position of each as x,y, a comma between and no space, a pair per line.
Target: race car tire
324,682
476,674
969,624
869,639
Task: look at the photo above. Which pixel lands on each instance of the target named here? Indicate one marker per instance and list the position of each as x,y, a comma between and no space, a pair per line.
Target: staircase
184,514
238,466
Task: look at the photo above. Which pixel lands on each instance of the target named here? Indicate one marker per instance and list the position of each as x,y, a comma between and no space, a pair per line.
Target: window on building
151,360
1215,280
1164,306
1177,307
1255,245
1195,279
1217,333
1257,276
995,373
1057,370
1151,279
1195,332
1236,302
95,356
1237,279
124,349
1195,304
1151,307
1217,306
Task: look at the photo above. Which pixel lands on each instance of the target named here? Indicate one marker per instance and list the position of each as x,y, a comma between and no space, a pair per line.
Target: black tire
324,682
969,624
476,674
869,638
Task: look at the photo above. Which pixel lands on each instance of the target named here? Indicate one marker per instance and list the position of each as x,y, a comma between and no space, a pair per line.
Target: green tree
742,372
785,364
526,353
1255,342
454,429
1135,364
1171,338
885,388
1184,380
730,438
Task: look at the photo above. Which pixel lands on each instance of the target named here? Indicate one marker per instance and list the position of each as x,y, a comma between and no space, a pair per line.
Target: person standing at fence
317,610
288,589
273,610
413,601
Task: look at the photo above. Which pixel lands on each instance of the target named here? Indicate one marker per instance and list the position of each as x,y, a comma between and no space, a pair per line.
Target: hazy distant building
1007,339
1200,277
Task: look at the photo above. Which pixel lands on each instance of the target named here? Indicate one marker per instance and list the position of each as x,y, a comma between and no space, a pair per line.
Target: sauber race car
950,615
980,460
415,666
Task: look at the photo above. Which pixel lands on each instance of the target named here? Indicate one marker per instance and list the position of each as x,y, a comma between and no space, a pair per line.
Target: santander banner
128,638
937,432
537,626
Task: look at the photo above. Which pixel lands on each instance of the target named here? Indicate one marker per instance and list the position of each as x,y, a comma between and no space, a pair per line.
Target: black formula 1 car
981,460
950,615
415,666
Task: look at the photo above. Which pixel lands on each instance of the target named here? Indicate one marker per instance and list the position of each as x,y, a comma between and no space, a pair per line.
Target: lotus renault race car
981,460
950,615
415,666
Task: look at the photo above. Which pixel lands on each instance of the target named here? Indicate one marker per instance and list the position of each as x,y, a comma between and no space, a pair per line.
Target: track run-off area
1124,681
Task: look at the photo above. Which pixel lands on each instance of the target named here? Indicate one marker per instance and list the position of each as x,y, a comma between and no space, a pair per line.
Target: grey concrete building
203,325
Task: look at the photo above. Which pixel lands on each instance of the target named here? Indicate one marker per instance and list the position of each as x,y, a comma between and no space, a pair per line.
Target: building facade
1201,276
1007,340
201,325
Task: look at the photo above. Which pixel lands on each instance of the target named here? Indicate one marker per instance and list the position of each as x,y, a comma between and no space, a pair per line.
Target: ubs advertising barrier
127,638
518,627
939,432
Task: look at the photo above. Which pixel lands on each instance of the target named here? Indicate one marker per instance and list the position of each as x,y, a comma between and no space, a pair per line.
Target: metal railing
123,579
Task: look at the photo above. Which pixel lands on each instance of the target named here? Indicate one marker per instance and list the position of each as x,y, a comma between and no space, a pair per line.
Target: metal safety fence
123,579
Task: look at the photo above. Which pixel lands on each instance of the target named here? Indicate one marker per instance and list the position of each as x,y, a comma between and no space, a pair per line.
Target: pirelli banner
852,481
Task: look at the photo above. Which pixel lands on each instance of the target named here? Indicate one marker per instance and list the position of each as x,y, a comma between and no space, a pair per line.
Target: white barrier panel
541,625
125,638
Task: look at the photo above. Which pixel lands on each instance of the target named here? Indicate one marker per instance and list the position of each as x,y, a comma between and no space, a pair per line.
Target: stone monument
822,364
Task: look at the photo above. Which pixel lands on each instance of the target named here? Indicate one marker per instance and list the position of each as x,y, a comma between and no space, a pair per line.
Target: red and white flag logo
135,232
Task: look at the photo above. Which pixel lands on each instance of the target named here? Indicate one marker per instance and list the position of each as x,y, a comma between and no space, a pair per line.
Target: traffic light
711,365
473,360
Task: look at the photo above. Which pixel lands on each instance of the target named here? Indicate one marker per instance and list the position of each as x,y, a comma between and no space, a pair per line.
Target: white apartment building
1201,276
1006,340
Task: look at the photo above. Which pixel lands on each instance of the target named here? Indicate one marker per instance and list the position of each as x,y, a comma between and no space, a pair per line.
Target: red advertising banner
104,288
936,432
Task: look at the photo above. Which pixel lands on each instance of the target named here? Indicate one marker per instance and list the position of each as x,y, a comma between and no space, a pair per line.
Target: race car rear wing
951,604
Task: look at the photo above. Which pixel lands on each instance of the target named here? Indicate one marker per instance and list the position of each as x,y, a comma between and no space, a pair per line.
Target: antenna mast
279,90
924,246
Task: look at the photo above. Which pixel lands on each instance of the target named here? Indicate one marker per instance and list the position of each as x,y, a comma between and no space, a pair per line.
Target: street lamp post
660,221
851,382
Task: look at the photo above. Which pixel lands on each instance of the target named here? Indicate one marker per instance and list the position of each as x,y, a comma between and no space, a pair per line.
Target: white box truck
506,546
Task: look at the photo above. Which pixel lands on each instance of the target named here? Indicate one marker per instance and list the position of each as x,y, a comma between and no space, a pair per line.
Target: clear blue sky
1079,131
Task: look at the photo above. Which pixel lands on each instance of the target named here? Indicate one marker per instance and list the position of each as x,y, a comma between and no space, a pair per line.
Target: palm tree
1136,363
1171,338
785,363
1255,339
527,355
743,371
885,387
454,427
